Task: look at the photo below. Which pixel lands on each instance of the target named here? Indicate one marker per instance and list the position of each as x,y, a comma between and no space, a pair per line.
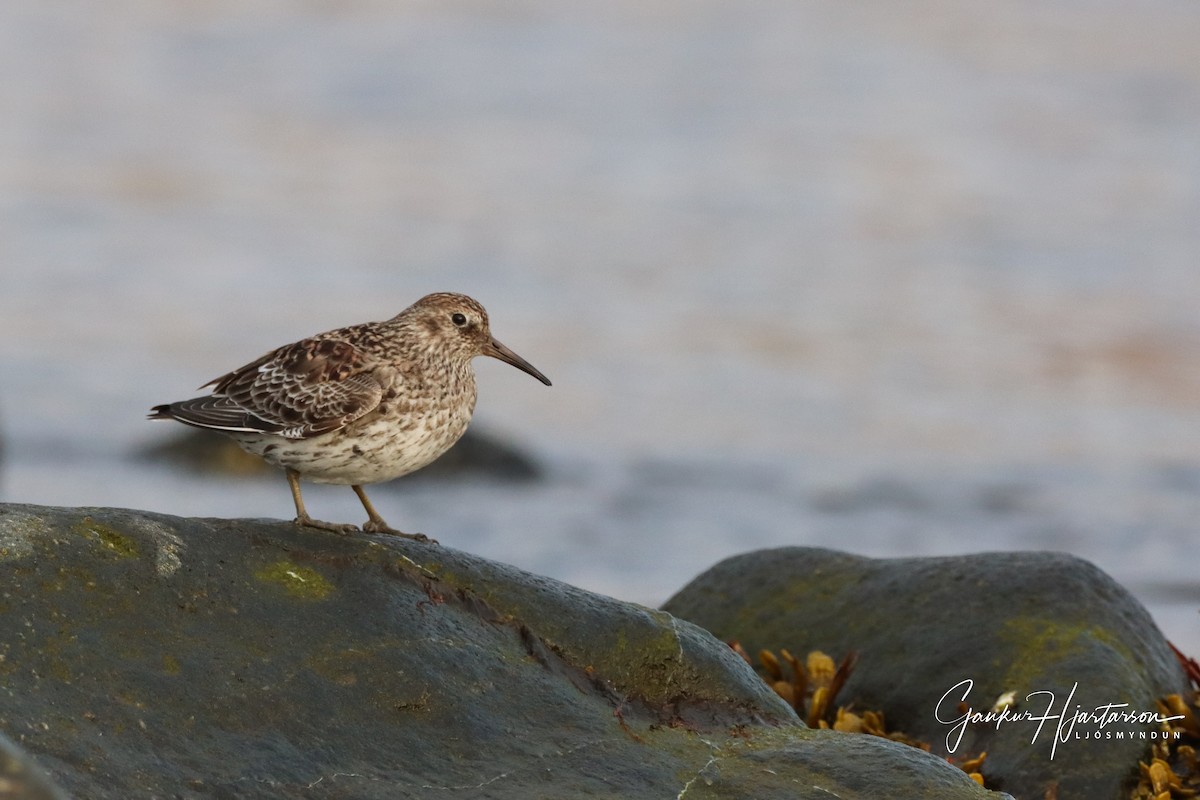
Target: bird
357,405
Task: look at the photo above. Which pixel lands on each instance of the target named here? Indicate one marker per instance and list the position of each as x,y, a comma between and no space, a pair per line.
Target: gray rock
1009,622
145,655
20,779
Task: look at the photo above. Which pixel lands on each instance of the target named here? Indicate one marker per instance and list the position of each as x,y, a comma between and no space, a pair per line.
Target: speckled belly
369,451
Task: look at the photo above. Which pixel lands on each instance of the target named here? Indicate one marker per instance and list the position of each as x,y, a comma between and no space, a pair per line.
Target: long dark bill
497,350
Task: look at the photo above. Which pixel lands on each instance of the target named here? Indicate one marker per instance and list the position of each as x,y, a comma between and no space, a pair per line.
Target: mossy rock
1014,623
144,655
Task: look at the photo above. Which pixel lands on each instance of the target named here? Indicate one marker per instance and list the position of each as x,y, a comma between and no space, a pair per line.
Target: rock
145,655
477,454
1008,622
20,779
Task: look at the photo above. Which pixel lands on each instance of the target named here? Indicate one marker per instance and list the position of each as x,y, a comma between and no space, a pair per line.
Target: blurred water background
900,278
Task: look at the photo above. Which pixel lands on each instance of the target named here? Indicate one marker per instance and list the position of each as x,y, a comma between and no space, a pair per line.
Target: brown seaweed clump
812,687
1174,771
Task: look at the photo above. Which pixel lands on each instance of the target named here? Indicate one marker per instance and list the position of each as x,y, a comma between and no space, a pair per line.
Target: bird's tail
216,413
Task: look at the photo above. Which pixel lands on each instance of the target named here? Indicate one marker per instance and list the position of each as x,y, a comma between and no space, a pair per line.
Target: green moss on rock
107,536
297,580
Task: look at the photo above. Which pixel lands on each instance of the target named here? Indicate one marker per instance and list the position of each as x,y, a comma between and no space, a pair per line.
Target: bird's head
457,327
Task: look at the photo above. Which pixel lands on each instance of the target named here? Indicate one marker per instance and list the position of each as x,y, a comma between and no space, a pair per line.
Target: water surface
904,278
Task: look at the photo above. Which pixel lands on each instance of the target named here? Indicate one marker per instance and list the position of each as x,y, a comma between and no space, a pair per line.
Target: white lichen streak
467,786
16,540
716,754
168,545
585,745
464,787
337,775
428,573
678,636
662,616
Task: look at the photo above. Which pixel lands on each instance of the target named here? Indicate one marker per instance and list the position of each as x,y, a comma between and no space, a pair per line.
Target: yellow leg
376,524
302,517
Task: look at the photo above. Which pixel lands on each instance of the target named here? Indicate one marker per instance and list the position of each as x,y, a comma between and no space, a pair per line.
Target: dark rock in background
144,655
1010,622
476,454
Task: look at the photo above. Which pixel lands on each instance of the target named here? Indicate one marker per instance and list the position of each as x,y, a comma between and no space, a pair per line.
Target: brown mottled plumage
356,405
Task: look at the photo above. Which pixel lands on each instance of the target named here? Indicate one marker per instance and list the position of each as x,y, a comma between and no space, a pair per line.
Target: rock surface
144,655
20,779
1010,622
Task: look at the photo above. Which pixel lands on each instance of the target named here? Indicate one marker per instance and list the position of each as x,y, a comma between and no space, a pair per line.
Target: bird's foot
379,526
342,528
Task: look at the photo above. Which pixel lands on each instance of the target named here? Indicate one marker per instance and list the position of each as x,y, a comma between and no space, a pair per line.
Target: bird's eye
459,319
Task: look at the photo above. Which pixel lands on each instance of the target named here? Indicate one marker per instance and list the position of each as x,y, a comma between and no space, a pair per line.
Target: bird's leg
302,517
376,523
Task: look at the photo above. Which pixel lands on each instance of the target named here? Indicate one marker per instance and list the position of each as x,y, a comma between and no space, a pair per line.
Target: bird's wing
298,391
